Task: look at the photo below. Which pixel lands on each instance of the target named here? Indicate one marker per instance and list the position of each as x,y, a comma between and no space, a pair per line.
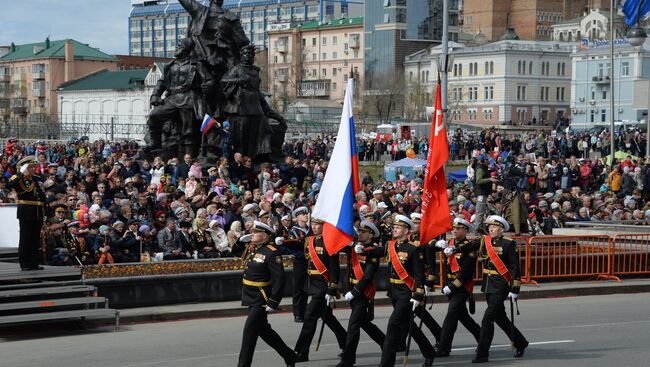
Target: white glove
427,290
329,300
450,251
415,303
279,241
24,168
513,295
269,309
349,296
446,290
246,238
441,244
358,249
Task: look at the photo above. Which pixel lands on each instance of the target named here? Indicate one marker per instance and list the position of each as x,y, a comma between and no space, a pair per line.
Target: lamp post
636,36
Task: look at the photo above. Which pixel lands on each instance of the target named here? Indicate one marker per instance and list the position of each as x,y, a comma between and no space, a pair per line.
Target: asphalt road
607,331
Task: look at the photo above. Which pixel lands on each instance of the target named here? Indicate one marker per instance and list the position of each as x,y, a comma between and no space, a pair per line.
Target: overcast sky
101,23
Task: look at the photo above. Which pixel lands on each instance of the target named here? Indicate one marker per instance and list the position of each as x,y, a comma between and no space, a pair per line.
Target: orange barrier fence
629,254
576,257
564,257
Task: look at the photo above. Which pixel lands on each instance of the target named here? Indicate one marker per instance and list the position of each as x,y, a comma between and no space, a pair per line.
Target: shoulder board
13,178
414,243
507,238
471,254
272,248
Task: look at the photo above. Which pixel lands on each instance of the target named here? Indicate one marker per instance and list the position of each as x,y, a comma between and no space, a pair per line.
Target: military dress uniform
407,259
262,290
362,268
431,270
497,284
459,270
30,214
321,283
299,300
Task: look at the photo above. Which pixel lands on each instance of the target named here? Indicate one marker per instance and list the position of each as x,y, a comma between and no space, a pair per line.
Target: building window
460,69
592,116
488,93
521,92
324,73
335,55
324,41
604,94
563,68
603,115
356,54
275,59
487,114
334,86
473,93
324,55
625,68
334,40
386,18
530,68
313,56
313,41
304,42
333,71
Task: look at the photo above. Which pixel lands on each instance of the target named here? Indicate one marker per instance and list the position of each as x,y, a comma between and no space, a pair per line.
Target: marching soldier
501,280
386,227
323,270
459,284
299,231
262,290
361,296
429,252
30,212
406,291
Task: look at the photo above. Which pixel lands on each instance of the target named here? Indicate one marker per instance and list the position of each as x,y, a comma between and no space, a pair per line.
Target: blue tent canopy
409,167
459,176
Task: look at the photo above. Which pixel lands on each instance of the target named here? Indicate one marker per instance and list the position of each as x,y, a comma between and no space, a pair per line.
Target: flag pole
445,67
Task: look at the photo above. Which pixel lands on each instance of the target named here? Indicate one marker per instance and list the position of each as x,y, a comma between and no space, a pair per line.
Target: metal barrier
562,257
630,254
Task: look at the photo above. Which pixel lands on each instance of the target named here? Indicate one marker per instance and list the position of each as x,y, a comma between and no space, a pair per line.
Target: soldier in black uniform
299,231
362,294
498,284
406,292
323,286
431,270
262,290
459,283
30,212
386,227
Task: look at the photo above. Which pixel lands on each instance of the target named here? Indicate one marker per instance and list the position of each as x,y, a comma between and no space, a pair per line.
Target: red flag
436,219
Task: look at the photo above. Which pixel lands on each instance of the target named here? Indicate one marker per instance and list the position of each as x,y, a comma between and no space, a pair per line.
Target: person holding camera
483,189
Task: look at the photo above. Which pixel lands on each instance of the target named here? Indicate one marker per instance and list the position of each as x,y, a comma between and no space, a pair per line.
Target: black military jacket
466,257
263,277
506,249
369,262
29,192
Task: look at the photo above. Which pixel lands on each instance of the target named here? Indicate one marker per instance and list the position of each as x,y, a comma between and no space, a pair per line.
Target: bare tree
417,98
385,98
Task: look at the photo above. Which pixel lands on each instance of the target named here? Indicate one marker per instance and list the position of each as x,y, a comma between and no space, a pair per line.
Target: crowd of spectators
106,205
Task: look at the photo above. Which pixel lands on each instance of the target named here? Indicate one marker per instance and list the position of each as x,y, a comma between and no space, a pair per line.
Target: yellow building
31,73
314,59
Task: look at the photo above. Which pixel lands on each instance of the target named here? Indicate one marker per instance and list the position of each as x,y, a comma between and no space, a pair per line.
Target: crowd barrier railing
564,257
630,254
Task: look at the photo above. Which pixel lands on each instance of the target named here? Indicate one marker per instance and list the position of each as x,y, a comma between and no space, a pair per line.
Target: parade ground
604,330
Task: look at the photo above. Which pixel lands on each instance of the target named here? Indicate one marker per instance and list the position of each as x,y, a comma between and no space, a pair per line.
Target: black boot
519,352
479,359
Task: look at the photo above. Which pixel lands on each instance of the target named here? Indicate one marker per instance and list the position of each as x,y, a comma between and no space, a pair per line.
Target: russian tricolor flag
336,199
208,122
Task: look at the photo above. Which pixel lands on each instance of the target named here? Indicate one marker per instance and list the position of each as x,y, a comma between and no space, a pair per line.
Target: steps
52,294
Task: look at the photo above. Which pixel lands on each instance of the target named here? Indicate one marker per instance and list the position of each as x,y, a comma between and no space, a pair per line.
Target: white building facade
590,85
112,111
510,81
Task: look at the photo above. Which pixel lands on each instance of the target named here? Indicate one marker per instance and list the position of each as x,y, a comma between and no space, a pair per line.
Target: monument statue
184,81
213,73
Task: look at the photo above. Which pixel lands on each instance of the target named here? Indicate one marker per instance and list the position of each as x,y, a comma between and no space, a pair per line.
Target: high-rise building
396,28
156,26
531,19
